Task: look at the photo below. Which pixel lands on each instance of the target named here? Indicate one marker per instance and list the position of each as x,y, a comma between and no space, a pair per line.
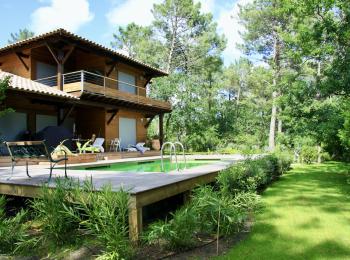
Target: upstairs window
126,82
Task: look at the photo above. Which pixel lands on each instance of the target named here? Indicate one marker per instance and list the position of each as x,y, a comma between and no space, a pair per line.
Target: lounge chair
138,147
62,150
30,150
96,147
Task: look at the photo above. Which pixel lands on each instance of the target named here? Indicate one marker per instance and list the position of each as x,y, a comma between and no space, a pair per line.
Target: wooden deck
86,87
5,161
144,188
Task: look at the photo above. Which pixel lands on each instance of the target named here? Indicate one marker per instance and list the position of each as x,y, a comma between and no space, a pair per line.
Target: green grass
306,216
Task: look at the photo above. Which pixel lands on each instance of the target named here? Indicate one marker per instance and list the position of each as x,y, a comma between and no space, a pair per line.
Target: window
126,82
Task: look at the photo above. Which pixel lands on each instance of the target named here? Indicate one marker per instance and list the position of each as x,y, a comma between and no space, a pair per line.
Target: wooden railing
83,81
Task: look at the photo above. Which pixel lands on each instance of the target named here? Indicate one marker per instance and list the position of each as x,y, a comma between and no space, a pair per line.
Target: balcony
94,86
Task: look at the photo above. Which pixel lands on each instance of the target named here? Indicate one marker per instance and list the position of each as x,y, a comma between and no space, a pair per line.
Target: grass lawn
307,216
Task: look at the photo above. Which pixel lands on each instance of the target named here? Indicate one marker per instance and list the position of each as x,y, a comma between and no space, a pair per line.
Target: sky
98,19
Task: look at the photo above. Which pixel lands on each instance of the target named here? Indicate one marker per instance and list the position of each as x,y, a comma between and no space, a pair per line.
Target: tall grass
104,215
12,229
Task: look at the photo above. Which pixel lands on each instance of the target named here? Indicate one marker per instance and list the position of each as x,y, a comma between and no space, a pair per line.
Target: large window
126,82
12,126
44,70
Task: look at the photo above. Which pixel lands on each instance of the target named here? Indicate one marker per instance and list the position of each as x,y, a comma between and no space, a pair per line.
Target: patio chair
30,150
115,145
62,150
96,147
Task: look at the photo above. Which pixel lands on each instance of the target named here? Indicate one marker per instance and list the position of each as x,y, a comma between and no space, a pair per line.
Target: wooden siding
112,129
11,63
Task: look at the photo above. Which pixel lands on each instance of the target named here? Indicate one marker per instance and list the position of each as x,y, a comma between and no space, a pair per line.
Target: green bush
308,154
12,229
250,175
104,215
56,214
176,233
215,210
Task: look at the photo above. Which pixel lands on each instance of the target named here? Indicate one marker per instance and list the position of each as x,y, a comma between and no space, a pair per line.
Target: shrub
177,233
237,179
215,210
12,229
56,214
308,154
104,215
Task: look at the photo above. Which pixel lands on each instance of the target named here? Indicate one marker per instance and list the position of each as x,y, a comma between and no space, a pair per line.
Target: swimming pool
143,166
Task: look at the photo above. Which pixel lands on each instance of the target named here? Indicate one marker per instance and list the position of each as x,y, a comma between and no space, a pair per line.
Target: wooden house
61,79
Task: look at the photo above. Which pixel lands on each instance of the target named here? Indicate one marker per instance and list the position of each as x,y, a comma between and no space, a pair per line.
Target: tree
265,22
23,34
139,42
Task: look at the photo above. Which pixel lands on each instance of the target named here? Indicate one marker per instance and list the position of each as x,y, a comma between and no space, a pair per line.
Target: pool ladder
172,149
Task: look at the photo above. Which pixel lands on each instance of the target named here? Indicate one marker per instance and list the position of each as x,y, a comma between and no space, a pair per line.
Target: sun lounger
96,147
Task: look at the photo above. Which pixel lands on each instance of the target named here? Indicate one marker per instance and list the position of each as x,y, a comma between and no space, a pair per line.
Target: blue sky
98,19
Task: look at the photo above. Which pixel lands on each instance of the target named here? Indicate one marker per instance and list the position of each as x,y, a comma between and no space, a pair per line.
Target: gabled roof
81,40
27,85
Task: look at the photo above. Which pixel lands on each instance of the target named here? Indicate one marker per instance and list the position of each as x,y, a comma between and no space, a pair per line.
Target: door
127,131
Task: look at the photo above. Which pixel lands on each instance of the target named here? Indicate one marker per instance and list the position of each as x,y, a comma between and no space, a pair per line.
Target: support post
135,219
161,131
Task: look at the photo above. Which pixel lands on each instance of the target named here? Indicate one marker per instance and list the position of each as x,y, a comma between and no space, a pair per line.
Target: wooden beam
52,53
67,55
147,81
111,69
20,57
161,131
135,220
66,115
114,113
149,121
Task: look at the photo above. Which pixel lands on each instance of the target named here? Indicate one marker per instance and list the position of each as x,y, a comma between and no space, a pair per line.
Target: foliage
56,213
4,84
222,210
176,233
251,175
104,215
23,34
12,229
72,210
215,209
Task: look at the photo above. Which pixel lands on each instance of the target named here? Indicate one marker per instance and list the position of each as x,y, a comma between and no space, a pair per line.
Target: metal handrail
183,151
172,148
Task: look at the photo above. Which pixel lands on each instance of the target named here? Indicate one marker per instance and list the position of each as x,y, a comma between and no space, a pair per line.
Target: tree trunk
273,123
279,124
319,150
276,59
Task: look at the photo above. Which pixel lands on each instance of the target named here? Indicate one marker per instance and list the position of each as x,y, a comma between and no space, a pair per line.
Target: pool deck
144,188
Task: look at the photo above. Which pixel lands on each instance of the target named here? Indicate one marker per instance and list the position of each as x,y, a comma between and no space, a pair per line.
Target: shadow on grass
305,217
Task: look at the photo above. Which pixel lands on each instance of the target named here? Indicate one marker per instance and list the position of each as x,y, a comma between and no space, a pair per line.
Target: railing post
82,79
104,84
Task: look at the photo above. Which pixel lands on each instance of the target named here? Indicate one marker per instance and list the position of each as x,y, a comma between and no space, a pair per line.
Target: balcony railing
89,82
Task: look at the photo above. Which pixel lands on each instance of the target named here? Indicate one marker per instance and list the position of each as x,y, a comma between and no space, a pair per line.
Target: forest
288,91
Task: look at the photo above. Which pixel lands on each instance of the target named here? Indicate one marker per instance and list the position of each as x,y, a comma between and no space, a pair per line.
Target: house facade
61,79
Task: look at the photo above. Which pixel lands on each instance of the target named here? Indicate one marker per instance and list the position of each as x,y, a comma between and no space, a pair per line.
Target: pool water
143,166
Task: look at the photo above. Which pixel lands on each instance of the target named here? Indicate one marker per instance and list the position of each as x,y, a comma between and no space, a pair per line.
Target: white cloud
137,11
228,23
68,14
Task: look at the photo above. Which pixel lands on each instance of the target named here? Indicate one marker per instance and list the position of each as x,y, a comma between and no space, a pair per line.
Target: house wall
11,63
112,129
